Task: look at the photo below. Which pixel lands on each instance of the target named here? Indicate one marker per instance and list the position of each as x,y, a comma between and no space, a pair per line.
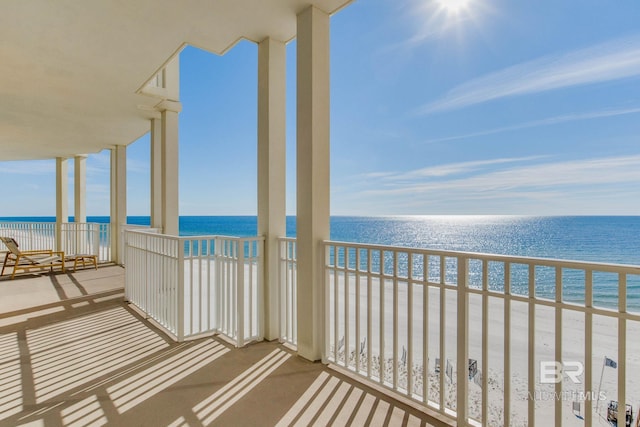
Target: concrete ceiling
70,70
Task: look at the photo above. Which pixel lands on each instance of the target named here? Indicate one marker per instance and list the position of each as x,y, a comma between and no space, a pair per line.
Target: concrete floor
72,353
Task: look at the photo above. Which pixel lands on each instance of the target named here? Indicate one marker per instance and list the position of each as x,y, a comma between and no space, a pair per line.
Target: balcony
195,307
400,320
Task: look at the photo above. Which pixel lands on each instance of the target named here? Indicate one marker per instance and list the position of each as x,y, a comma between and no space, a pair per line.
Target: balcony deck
73,353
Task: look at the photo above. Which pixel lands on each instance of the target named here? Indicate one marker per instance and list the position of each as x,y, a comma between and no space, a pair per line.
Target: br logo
551,371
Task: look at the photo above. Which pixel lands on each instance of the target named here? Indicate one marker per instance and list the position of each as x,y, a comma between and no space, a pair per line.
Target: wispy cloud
550,175
446,170
543,122
613,60
510,186
137,166
29,167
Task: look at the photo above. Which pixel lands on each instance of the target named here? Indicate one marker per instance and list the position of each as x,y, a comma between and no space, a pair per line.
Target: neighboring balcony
75,238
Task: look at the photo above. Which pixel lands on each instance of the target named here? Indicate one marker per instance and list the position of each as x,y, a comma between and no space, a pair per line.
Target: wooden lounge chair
84,258
29,260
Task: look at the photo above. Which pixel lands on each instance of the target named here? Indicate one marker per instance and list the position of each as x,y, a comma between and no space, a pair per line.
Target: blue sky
501,107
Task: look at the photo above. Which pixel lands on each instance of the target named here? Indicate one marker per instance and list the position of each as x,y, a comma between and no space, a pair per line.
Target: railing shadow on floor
100,363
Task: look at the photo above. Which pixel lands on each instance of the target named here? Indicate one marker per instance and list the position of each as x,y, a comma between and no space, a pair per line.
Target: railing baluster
485,343
209,285
622,349
294,296
199,261
193,303
588,346
531,410
462,326
290,301
357,309
336,307
252,290
284,296
558,343
219,284
443,328
240,293
180,299
507,344
425,329
229,301
369,311
395,320
381,361
409,360
326,339
347,281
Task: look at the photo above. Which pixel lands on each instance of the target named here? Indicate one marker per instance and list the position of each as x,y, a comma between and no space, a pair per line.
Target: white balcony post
169,109
80,188
312,177
240,294
271,171
156,189
180,297
169,171
62,198
118,199
462,373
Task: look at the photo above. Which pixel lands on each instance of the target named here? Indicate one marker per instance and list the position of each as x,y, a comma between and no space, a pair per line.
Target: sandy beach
605,338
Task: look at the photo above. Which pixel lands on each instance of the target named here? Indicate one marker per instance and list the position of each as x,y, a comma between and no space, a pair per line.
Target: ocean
608,239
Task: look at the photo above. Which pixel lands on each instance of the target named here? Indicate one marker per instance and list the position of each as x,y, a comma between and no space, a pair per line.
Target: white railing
288,286
124,227
76,238
30,235
408,318
197,285
152,277
86,238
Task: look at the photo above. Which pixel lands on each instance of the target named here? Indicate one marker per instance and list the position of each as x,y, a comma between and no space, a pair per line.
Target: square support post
271,172
80,188
313,182
62,198
169,109
156,189
169,180
118,200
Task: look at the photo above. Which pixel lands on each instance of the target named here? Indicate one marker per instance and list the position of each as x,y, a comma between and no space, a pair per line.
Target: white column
62,198
271,171
169,109
169,171
80,188
118,199
156,173
312,176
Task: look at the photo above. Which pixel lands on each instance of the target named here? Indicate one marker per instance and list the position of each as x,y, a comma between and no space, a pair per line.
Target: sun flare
454,6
